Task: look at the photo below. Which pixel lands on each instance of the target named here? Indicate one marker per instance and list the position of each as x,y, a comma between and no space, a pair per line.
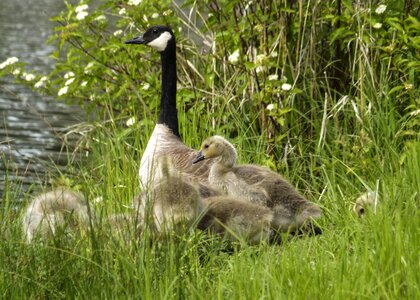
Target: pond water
32,126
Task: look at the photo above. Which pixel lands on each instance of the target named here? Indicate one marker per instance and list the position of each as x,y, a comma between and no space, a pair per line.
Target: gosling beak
137,40
198,158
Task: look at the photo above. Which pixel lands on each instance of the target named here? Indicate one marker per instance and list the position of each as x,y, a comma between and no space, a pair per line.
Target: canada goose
165,139
258,185
237,219
368,200
49,211
172,200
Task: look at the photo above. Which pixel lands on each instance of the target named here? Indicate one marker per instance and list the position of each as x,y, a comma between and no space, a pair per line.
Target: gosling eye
206,146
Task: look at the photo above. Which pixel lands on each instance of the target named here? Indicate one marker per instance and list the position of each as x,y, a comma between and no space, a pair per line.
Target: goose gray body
257,184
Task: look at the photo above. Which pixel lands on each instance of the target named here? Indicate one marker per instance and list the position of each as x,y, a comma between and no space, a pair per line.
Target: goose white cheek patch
161,42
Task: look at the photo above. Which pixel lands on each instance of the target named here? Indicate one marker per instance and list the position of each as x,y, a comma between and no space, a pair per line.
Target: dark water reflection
31,126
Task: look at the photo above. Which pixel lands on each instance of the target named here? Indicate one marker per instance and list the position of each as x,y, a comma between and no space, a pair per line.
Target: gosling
258,185
173,202
60,208
237,219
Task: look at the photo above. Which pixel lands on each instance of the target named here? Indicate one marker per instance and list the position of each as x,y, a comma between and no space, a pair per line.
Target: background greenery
325,92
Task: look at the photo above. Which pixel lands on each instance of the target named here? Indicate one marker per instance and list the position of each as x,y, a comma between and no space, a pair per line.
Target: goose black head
158,37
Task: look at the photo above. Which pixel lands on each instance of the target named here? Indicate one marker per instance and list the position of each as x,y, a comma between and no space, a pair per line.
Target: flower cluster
81,11
9,61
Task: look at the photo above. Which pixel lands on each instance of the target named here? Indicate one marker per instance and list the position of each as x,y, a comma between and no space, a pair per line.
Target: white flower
155,16
286,87
98,199
145,19
81,15
16,71
260,59
377,25
68,75
122,11
167,12
273,77
380,9
274,54
234,57
131,121
81,8
8,62
146,86
41,82
100,18
69,81
134,2
29,77
63,91
83,84
259,69
89,67
118,32
270,106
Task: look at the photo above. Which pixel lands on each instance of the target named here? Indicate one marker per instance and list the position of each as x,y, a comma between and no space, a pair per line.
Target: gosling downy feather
49,211
237,219
258,185
165,139
173,202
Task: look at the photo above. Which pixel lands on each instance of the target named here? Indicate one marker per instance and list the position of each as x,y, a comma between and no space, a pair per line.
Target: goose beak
198,158
137,40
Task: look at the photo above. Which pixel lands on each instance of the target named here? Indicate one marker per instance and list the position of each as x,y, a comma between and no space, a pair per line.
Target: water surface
31,126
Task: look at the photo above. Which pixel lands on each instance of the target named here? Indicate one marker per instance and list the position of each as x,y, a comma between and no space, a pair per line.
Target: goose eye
155,31
206,146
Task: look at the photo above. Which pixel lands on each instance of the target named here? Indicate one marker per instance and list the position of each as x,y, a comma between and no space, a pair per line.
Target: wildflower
89,67
286,87
81,8
41,82
63,91
122,11
81,15
155,16
98,199
260,59
259,69
146,86
83,84
377,25
118,32
270,107
167,12
29,77
134,2
8,62
16,71
273,77
234,57
131,121
274,54
69,81
100,18
68,75
380,9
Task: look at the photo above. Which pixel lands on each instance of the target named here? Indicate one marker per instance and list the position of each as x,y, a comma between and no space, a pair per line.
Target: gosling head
216,146
158,37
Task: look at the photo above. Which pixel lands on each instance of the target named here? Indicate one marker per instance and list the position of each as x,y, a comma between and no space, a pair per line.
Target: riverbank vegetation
324,92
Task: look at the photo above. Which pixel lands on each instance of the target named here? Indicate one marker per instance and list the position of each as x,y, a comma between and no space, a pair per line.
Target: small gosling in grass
237,219
49,211
259,185
174,202
364,202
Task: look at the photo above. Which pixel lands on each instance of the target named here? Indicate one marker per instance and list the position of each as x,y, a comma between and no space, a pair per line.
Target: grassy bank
339,118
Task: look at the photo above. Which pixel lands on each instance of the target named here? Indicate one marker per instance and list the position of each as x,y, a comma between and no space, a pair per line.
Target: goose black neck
168,112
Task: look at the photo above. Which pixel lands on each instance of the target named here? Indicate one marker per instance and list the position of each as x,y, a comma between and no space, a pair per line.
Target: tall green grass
343,129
